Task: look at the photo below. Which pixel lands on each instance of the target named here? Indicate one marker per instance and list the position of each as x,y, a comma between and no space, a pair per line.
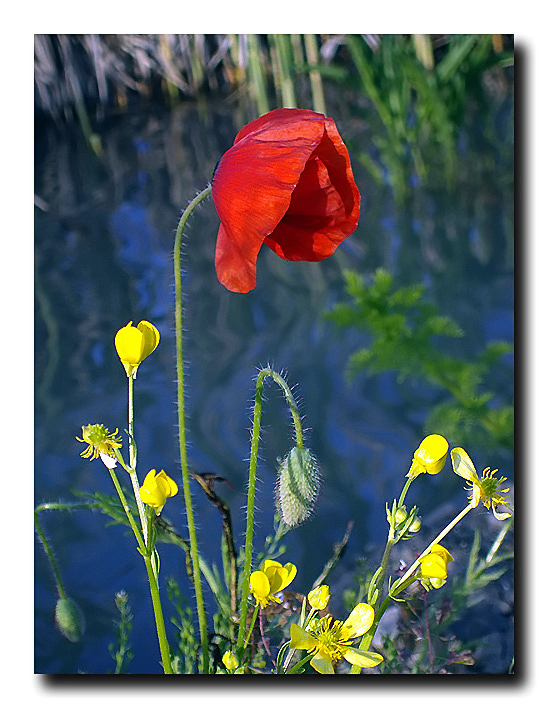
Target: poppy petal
286,182
252,190
325,205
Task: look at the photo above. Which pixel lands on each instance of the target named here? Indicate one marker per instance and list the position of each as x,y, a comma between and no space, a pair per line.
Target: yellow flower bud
156,489
319,597
434,564
230,661
134,344
429,456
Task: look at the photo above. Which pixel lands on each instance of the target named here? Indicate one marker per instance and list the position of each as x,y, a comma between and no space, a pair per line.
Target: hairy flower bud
298,486
69,619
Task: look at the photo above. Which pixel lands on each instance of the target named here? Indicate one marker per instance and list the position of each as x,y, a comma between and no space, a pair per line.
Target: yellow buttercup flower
134,344
100,443
156,489
485,489
330,640
434,564
430,456
270,579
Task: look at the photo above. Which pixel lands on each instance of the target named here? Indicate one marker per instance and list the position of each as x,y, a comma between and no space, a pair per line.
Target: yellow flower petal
167,485
441,551
301,639
269,564
230,661
260,585
156,489
291,572
433,566
322,664
365,659
463,465
151,337
129,343
279,576
501,515
360,620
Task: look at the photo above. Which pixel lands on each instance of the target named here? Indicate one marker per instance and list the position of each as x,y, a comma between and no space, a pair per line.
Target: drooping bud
69,619
298,486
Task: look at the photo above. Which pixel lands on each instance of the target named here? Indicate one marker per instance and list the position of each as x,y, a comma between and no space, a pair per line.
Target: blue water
104,257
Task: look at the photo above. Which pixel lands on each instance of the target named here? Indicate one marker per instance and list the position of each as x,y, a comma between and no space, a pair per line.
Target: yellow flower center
489,491
331,636
99,441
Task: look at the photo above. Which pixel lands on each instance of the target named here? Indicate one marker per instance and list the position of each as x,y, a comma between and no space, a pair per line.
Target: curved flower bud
156,489
134,344
430,456
286,182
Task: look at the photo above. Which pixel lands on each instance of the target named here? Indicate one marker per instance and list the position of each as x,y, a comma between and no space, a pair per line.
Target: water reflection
104,257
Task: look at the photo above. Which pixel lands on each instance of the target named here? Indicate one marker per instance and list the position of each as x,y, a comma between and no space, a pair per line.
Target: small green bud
298,486
401,516
416,525
69,619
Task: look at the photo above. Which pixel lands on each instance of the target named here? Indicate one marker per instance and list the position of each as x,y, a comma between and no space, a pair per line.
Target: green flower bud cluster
405,523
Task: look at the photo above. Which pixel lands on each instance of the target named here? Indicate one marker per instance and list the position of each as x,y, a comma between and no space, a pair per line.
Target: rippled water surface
104,239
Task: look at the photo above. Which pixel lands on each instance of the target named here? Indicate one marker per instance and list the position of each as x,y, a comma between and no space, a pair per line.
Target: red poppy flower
286,182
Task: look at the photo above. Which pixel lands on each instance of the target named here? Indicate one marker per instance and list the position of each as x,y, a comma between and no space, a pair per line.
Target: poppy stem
253,459
202,620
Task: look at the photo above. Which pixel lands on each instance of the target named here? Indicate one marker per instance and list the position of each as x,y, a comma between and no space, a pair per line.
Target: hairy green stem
45,543
181,422
158,616
253,459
